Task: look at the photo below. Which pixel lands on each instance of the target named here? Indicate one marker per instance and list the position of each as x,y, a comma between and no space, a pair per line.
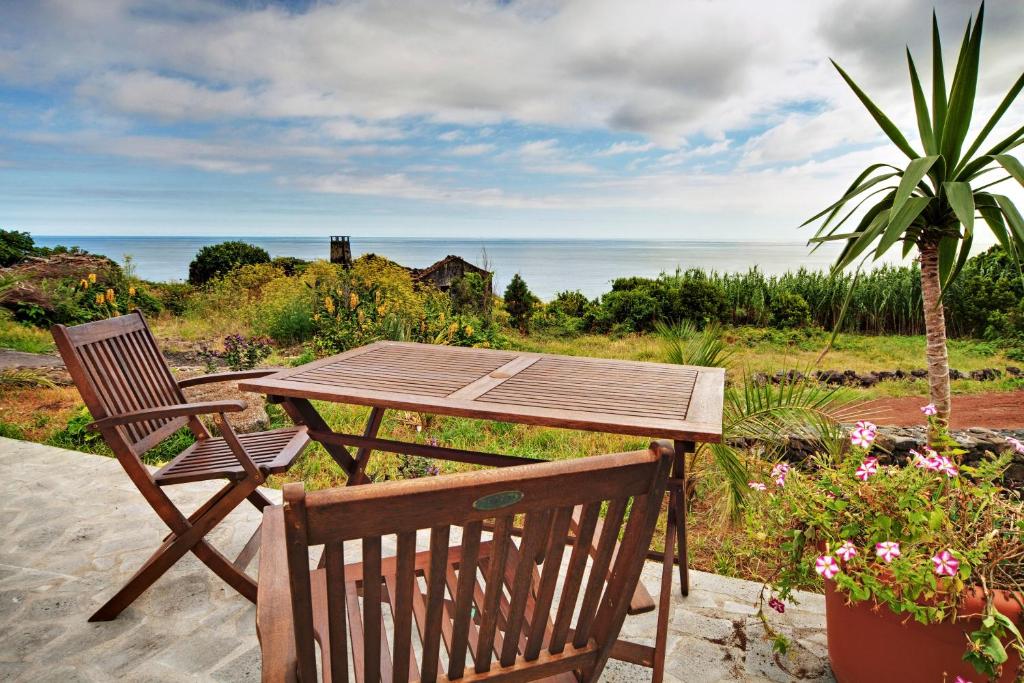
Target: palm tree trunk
935,332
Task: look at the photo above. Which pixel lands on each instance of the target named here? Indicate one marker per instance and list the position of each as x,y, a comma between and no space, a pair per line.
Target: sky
683,119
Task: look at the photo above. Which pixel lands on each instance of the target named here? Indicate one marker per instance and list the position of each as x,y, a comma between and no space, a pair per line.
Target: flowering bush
913,538
245,353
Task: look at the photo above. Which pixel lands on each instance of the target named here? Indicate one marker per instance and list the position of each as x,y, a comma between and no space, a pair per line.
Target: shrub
219,259
573,304
284,311
174,297
519,302
15,246
291,265
790,310
694,297
245,353
9,430
471,295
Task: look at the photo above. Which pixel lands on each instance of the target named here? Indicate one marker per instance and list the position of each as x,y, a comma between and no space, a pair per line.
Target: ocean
548,266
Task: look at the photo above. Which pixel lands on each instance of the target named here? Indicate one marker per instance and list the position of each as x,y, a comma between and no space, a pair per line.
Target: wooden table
677,402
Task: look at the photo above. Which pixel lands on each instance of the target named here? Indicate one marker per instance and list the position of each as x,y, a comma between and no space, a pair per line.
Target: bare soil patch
998,410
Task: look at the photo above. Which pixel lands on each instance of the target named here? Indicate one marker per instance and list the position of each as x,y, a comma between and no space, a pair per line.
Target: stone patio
74,530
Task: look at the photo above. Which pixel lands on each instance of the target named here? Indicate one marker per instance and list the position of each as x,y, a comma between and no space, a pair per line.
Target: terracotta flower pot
869,643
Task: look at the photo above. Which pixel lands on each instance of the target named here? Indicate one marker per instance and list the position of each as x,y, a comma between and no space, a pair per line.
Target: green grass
25,338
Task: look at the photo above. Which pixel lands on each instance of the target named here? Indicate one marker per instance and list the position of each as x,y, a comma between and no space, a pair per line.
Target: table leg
301,411
358,475
679,474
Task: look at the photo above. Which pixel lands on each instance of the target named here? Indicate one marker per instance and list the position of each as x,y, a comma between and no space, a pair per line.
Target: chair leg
226,570
259,500
189,538
252,546
151,570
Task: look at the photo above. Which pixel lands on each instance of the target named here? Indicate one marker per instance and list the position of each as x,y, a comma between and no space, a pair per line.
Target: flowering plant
914,537
245,353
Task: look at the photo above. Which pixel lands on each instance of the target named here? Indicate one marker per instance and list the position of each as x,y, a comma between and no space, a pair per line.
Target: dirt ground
993,411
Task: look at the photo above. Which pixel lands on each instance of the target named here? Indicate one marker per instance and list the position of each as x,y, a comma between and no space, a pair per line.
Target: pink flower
930,410
887,550
779,473
946,564
847,551
867,426
867,468
947,467
960,679
1016,443
862,438
777,605
756,485
826,566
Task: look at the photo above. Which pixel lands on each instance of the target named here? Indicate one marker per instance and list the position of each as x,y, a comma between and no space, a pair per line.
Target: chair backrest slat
599,570
401,600
468,561
493,593
334,571
549,580
117,367
371,607
487,598
574,575
436,587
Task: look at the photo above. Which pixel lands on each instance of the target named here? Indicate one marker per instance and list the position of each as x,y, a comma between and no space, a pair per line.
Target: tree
931,203
15,246
519,303
218,259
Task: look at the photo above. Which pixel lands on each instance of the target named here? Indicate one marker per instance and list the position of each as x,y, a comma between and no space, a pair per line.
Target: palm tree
931,204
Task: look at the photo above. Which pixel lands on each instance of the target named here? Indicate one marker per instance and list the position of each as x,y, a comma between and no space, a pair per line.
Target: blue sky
531,118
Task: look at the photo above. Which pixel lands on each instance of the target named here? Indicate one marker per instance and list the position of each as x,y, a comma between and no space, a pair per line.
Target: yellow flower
440,317
83,283
329,304
453,328
316,316
469,330
353,300
131,291
361,316
110,296
381,310
99,298
376,297
92,277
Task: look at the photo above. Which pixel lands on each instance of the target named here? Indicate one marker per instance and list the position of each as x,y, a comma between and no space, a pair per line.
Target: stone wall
894,444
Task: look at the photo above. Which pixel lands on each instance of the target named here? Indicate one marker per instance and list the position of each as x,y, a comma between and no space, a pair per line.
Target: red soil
1003,410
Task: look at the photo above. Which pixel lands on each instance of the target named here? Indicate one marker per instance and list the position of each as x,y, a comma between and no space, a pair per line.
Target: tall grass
884,301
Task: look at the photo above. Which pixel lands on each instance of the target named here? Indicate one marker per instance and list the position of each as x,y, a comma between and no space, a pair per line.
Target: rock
920,373
1013,371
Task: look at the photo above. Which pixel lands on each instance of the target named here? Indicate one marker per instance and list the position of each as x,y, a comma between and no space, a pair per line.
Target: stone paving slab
75,529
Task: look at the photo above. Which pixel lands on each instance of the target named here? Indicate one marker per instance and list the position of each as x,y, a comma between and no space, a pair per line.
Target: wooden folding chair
485,596
136,404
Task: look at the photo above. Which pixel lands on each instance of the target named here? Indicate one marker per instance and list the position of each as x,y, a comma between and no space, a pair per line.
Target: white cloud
471,150
626,148
347,129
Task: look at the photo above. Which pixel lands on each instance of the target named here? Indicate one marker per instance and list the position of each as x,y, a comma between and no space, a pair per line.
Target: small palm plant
932,203
755,412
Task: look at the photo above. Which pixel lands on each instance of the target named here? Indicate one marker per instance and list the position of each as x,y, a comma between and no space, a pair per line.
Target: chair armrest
274,624
163,412
227,376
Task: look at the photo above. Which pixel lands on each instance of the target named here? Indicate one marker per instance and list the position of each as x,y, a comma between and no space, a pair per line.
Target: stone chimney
341,251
